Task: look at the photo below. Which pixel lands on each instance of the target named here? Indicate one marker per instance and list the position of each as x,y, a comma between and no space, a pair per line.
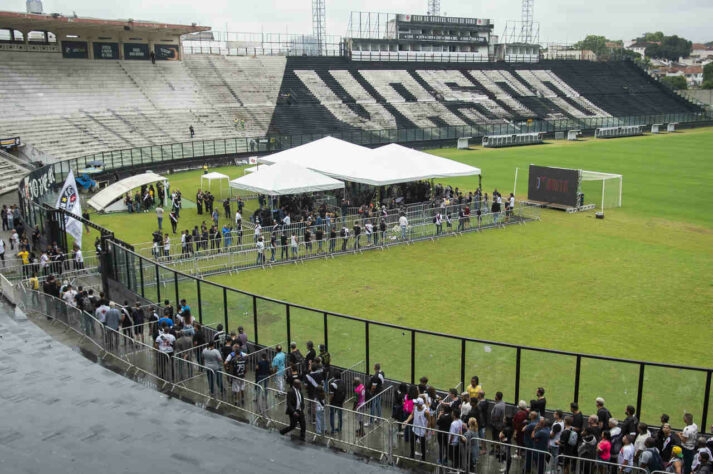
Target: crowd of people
145,198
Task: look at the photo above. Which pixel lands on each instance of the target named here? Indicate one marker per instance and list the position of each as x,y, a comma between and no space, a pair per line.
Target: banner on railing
68,200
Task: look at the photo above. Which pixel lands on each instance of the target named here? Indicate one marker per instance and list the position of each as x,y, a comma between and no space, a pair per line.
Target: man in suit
295,409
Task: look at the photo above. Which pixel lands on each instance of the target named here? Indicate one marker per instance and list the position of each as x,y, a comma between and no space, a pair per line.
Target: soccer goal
600,189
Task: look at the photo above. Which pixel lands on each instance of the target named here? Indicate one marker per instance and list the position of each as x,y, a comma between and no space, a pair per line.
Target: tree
593,43
651,37
671,47
707,84
708,72
677,82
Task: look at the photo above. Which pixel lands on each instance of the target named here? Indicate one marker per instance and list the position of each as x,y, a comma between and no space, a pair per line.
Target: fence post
576,378
706,401
200,306
326,334
287,320
141,275
366,346
158,285
225,308
413,358
462,361
517,376
175,284
640,390
255,318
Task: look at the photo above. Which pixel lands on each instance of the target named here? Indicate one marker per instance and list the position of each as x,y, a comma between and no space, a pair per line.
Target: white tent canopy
111,193
389,164
285,178
214,176
253,169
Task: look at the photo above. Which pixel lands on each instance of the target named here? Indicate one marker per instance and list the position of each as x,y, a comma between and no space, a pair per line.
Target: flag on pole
69,201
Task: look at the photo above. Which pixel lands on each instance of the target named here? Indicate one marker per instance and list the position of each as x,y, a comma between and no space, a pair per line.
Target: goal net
601,189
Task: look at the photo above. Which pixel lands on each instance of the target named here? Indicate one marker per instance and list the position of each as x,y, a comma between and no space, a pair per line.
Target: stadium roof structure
387,165
111,193
285,178
56,22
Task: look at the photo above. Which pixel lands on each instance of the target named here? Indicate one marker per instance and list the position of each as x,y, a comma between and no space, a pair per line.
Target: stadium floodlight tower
319,24
528,10
434,8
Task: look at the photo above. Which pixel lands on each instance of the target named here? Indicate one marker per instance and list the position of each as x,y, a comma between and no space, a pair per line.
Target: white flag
69,201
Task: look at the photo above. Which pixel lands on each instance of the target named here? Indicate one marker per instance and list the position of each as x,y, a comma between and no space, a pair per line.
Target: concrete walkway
62,413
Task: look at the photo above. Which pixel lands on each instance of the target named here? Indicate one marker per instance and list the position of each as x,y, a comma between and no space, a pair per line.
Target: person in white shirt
454,438
368,229
166,246
258,230
260,251
238,217
641,437
293,245
626,455
14,240
438,220
403,223
689,439
702,448
2,251
69,296
78,259
286,220
159,217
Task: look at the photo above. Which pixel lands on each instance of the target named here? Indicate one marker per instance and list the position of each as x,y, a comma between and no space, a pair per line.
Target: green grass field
638,284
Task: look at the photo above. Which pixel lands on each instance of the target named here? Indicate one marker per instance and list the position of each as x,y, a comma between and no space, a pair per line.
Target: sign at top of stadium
451,20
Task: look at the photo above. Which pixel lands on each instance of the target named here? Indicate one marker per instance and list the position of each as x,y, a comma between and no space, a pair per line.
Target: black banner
75,49
106,50
136,51
166,52
553,185
38,183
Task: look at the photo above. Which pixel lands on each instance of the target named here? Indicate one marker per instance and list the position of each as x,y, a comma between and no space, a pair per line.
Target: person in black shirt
539,404
332,239
630,425
577,418
338,392
357,235
226,207
310,356
422,385
443,425
602,414
283,247
376,384
319,235
308,241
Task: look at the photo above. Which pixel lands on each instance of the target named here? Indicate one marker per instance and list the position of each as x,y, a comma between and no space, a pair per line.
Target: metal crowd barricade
354,436
246,398
431,451
595,466
374,404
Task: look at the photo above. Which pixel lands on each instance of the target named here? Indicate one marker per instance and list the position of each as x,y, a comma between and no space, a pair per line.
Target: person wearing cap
676,462
420,418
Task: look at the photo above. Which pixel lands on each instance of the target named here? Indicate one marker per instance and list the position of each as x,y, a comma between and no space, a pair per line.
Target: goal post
604,190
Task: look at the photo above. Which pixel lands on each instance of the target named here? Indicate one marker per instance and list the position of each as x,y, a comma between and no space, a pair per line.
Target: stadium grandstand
73,91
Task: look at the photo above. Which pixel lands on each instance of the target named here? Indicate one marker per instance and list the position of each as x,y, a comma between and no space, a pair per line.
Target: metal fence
242,257
407,353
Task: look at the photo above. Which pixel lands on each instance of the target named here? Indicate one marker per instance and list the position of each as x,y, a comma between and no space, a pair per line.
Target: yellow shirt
473,391
34,283
25,256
